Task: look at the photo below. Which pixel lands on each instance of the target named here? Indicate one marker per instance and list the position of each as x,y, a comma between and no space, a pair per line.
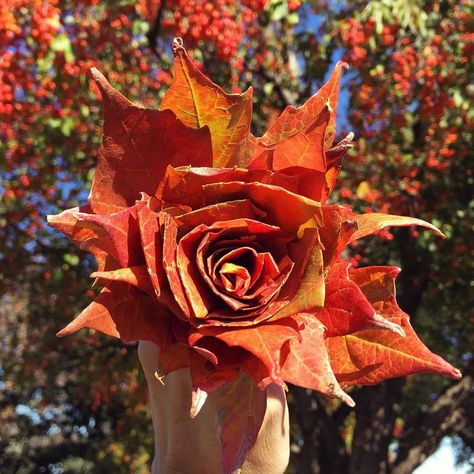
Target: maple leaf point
199,397
159,377
383,323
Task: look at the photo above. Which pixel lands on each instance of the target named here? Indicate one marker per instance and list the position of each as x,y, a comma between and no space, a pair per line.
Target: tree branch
154,32
324,450
152,35
283,95
377,409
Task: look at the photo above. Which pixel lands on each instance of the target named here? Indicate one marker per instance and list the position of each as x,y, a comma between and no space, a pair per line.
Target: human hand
186,446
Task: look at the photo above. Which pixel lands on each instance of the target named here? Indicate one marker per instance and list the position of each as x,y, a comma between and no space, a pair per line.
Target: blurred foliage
79,404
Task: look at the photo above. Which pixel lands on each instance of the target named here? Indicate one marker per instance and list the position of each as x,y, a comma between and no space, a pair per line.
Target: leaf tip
382,323
198,399
435,229
248,94
101,81
98,77
178,44
349,401
342,65
110,95
344,397
329,107
53,219
334,390
394,271
159,377
456,374
63,332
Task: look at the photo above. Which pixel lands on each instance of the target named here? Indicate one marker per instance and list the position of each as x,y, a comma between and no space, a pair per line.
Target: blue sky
442,462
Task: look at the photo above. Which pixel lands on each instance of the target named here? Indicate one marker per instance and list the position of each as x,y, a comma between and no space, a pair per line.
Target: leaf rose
220,247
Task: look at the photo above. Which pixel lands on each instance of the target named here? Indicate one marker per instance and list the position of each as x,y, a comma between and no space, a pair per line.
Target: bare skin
189,446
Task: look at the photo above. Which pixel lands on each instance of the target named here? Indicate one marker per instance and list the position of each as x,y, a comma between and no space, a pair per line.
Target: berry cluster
221,23
408,78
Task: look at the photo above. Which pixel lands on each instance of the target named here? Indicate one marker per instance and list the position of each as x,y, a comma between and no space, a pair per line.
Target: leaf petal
137,276
215,318
310,183
306,148
174,357
346,309
371,356
152,246
92,240
225,211
170,233
264,341
184,185
238,433
274,200
373,222
197,292
308,130
121,232
206,380
307,364
339,225
112,239
198,102
138,145
310,294
123,312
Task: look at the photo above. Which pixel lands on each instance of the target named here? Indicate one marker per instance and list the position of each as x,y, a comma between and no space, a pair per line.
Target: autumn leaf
137,276
238,433
301,136
185,184
198,102
310,293
120,311
89,239
368,357
206,379
272,199
373,222
306,148
150,236
346,309
339,225
137,147
264,341
308,364
119,233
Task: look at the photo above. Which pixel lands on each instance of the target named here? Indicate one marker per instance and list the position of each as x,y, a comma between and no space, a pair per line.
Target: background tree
78,404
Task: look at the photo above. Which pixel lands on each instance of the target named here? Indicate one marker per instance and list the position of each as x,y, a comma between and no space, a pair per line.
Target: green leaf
268,88
62,44
67,125
278,9
71,259
293,18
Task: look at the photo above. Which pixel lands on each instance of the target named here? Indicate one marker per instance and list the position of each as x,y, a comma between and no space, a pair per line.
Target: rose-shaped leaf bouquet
219,247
